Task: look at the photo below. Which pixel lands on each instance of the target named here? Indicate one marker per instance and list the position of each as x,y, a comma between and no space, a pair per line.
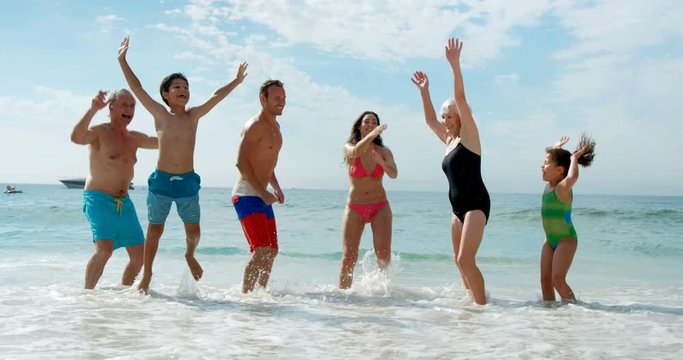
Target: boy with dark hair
174,180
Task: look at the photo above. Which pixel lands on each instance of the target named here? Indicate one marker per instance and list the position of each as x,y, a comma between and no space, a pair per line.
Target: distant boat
12,190
80,183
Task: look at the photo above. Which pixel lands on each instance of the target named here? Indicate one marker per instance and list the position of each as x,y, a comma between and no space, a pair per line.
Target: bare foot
195,268
143,287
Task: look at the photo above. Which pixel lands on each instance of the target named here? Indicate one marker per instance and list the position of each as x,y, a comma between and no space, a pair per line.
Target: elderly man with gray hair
106,204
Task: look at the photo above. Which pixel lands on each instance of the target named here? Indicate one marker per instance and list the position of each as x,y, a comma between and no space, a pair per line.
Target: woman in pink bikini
368,159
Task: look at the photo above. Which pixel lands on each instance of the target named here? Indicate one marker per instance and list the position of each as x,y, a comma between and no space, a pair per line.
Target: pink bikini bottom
367,211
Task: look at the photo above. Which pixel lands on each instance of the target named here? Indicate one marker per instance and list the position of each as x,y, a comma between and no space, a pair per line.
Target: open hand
378,130
99,101
123,49
578,153
420,80
242,72
453,49
563,140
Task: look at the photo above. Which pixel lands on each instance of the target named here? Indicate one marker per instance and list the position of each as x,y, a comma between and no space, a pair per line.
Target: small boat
79,183
12,190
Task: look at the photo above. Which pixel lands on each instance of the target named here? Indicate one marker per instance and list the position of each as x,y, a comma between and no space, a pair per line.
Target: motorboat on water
12,190
79,183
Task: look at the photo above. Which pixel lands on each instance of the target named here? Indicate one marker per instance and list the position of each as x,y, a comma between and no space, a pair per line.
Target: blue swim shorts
166,188
112,218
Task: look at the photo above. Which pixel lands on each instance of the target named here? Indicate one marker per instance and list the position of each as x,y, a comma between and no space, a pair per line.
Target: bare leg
256,265
269,255
154,232
562,260
546,273
95,267
472,234
456,234
352,230
381,236
135,260
192,233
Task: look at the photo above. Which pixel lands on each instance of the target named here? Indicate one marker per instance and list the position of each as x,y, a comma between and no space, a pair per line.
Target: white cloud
106,22
392,31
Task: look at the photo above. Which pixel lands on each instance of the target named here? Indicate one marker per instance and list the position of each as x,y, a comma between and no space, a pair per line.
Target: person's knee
546,280
558,280
193,234
264,253
103,254
155,230
383,255
465,262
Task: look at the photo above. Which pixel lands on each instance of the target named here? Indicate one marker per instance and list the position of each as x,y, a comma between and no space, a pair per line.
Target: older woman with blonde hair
462,165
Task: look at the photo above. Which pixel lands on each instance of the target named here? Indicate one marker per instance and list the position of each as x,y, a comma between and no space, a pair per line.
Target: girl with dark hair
560,170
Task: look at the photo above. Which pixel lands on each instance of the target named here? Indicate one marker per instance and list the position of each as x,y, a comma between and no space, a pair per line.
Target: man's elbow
77,139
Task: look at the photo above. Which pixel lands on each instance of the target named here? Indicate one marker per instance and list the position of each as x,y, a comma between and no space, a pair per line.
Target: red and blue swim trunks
258,221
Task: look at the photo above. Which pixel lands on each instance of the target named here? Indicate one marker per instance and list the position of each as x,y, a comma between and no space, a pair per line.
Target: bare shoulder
253,125
138,134
100,127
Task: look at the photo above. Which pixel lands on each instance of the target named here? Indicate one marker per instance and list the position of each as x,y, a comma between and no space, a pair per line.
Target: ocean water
627,275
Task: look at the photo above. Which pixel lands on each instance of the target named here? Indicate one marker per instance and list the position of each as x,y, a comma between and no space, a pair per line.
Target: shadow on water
633,308
616,309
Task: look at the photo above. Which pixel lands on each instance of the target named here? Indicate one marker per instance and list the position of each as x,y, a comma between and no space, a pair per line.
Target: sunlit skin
367,190
177,132
178,94
112,149
555,264
257,157
457,126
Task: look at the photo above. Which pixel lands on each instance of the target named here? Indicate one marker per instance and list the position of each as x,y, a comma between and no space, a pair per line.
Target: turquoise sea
627,274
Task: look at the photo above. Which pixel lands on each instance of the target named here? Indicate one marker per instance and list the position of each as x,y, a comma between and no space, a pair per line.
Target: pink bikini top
357,170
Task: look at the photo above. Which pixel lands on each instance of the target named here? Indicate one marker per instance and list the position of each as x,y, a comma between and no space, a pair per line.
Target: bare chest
117,148
176,129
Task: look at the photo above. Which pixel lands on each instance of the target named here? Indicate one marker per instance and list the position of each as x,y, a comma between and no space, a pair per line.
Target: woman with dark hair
462,165
367,159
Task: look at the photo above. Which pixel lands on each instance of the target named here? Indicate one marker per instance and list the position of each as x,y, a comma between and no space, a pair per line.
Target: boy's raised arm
155,108
221,93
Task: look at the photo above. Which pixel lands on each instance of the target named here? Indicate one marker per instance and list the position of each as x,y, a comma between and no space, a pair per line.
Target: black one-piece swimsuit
466,191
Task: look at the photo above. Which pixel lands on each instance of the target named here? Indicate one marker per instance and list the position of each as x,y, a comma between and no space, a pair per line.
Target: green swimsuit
557,219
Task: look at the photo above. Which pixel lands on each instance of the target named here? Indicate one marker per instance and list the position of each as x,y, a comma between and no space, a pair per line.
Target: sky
534,70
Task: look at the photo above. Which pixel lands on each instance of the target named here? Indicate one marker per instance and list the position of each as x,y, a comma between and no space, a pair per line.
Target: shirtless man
174,180
256,160
106,204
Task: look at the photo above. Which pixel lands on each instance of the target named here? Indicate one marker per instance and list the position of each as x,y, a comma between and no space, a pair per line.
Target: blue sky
534,70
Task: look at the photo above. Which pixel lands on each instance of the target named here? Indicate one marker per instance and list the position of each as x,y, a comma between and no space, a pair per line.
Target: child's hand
580,152
563,140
